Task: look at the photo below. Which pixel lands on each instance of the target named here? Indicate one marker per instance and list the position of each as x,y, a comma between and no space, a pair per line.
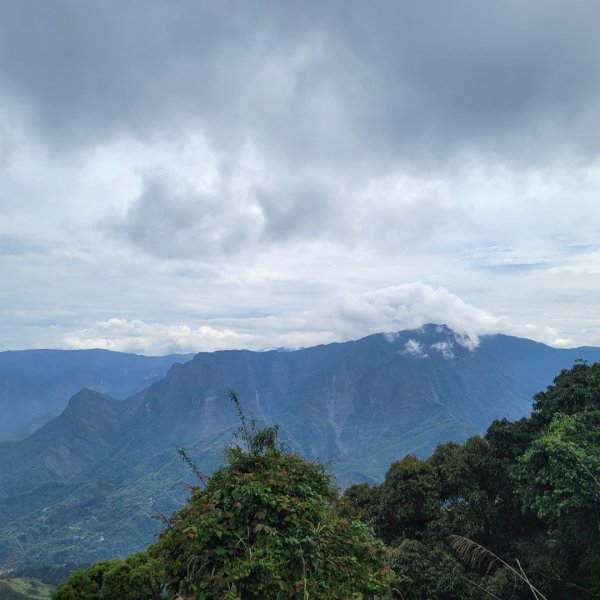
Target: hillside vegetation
84,487
512,514
24,589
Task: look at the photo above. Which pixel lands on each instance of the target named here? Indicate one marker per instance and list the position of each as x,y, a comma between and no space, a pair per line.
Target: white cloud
409,306
444,348
397,308
414,348
154,338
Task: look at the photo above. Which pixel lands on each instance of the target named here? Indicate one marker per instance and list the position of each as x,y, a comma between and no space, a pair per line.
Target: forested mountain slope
36,383
84,486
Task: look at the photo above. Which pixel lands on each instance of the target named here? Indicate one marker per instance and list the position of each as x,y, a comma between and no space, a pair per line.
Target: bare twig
192,465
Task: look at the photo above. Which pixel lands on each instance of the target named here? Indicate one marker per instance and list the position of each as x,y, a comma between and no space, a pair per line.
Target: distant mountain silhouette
37,383
83,486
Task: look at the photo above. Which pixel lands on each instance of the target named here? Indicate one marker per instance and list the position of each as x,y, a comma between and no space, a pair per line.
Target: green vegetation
135,578
511,515
263,528
26,588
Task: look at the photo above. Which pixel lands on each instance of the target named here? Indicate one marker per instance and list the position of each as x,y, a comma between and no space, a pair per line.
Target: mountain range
84,486
35,385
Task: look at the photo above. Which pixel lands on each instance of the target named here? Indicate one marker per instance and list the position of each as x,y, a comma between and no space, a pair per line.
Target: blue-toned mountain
36,384
104,466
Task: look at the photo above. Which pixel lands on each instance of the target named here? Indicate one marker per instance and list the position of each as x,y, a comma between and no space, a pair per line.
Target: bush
135,578
263,528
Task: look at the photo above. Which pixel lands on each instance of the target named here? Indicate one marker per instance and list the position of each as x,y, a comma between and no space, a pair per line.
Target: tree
263,528
574,390
558,479
429,572
409,500
83,584
135,578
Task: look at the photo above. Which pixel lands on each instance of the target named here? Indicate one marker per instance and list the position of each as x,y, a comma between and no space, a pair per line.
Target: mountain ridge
36,382
362,404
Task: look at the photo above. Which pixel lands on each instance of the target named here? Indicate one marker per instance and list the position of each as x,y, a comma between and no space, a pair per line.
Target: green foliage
83,584
558,479
409,500
559,473
135,578
359,502
574,390
527,495
263,528
429,572
24,588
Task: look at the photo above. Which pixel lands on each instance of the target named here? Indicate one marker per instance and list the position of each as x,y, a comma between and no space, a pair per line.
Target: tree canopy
135,578
524,497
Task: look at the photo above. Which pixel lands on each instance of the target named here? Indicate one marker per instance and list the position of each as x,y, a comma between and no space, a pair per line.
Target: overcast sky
186,176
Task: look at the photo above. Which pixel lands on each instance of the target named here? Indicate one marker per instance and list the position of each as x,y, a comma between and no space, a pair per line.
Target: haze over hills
35,385
83,486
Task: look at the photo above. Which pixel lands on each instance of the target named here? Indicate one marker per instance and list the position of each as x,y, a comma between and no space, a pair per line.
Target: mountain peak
430,340
88,398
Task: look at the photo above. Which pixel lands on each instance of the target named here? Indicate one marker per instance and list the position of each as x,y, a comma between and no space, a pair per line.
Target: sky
196,176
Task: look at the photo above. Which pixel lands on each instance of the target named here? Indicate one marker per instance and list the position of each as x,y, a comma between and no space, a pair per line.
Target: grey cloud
299,210
297,152
185,223
171,219
320,81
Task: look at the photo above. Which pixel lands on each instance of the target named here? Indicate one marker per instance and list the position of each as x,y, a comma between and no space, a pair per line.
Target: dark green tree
524,503
135,578
430,572
558,479
360,502
574,390
83,584
409,501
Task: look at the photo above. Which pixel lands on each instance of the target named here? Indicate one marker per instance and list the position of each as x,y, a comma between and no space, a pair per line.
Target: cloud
172,217
275,169
415,348
345,82
154,338
410,306
347,316
444,348
168,222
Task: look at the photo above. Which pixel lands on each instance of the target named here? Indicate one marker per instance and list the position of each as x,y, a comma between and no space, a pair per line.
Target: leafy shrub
262,528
